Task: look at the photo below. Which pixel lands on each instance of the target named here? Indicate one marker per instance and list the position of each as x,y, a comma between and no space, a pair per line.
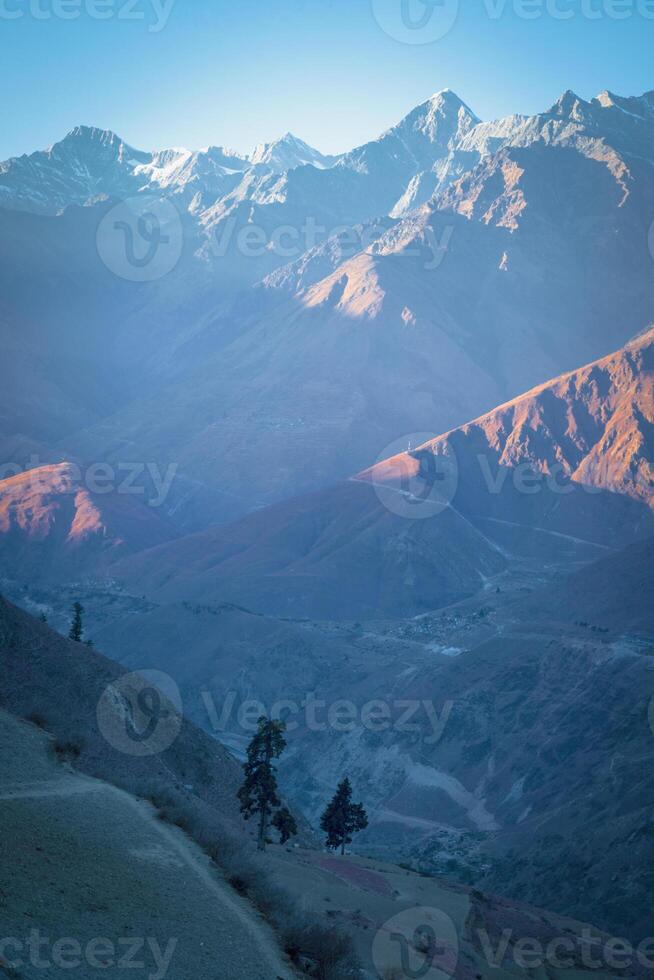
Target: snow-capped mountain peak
286,153
211,171
569,106
638,106
90,141
409,160
88,162
90,134
441,119
446,112
448,97
437,142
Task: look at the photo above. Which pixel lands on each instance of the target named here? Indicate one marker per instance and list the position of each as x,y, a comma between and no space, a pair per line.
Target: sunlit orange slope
52,521
594,426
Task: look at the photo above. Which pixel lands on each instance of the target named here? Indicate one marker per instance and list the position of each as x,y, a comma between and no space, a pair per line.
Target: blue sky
236,72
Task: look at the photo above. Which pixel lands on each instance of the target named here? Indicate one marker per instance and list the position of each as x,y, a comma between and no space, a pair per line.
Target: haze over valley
361,443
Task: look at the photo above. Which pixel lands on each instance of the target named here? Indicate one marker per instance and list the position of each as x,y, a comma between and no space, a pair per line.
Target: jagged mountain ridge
433,145
448,301
287,153
361,314
591,427
91,162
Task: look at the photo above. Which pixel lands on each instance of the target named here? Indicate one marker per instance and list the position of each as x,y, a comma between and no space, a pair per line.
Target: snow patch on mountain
287,153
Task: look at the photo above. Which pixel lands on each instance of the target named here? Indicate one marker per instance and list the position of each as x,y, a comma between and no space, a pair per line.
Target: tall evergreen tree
77,626
343,818
258,794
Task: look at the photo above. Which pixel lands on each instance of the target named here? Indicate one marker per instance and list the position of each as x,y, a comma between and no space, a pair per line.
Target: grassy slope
87,860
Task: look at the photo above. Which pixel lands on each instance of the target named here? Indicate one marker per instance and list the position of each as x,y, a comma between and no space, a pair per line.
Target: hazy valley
375,456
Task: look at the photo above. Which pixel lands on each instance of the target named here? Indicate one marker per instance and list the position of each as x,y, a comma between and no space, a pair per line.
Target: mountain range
90,162
522,618
562,472
276,370
405,399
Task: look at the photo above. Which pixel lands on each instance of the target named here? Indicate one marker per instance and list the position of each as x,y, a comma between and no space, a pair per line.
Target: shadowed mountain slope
561,473
339,553
615,593
61,684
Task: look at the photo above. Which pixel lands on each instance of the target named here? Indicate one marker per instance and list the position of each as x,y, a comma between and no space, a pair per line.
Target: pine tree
77,627
343,818
258,794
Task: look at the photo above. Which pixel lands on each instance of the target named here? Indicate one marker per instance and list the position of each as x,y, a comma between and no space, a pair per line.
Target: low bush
69,748
9,971
37,719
